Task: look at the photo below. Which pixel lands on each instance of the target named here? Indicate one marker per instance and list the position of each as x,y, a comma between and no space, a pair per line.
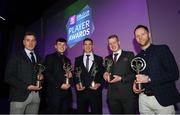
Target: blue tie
32,58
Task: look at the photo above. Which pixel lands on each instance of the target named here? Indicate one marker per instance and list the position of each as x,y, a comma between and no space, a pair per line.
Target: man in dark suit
21,75
159,92
121,98
90,92
57,79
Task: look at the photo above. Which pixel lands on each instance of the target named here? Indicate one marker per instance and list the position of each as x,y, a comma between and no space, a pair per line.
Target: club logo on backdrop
79,26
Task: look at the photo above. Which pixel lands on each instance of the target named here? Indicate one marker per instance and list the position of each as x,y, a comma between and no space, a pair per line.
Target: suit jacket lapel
82,63
121,56
26,57
94,61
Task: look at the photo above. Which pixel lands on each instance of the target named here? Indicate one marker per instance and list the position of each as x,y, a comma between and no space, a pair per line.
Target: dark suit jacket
122,67
54,74
20,73
86,77
163,72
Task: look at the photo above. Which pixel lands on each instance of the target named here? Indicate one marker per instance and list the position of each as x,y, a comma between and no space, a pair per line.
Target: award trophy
138,64
107,64
40,68
67,68
78,71
93,74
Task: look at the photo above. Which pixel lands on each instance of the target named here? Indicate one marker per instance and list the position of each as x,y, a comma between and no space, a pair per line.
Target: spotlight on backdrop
2,18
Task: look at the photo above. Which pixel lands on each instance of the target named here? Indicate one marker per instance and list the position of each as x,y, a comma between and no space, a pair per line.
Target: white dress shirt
29,55
91,59
119,54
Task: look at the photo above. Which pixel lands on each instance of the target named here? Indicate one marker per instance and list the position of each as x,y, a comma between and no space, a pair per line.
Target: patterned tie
115,57
87,62
32,58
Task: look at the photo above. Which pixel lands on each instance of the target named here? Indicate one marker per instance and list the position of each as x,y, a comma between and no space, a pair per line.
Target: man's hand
68,74
106,76
34,88
79,88
65,86
96,86
115,79
141,78
135,89
40,77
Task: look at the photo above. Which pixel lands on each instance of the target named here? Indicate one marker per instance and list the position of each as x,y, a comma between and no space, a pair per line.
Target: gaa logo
72,20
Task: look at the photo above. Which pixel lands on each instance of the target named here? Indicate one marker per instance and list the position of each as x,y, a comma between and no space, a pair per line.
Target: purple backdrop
110,17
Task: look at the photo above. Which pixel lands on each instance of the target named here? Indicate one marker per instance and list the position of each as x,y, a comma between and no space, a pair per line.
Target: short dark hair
113,36
88,39
29,34
61,40
141,26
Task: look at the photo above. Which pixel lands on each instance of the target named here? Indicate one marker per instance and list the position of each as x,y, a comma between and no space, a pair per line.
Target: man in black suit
121,98
90,93
57,79
21,75
158,94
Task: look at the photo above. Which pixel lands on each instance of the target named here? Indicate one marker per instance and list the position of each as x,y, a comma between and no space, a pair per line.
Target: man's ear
55,46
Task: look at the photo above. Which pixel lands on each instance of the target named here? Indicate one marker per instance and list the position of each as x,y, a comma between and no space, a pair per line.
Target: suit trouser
149,105
29,106
89,98
59,104
120,105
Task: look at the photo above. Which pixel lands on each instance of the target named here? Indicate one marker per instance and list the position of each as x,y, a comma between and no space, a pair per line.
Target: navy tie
32,58
87,62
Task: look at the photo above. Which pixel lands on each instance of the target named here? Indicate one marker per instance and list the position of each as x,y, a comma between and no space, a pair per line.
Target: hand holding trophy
67,68
93,74
138,64
40,68
107,63
78,75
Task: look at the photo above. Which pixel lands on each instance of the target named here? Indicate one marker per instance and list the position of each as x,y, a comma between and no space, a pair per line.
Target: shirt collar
91,54
119,52
28,51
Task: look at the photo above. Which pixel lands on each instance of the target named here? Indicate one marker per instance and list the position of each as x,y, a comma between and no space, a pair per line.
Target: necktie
32,58
87,62
115,57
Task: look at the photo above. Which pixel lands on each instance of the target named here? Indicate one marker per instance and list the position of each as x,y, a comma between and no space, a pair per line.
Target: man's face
61,47
88,46
29,42
142,37
114,44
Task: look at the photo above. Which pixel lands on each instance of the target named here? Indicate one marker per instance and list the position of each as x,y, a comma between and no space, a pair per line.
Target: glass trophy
93,74
67,68
138,64
107,63
40,68
78,71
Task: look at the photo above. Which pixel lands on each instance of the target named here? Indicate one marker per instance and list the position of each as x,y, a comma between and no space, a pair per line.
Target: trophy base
139,86
93,84
80,85
67,80
38,84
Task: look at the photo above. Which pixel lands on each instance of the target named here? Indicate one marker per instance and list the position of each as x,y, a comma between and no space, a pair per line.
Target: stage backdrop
109,17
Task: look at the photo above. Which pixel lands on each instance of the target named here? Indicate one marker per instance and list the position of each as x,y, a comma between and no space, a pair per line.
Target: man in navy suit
89,94
121,98
158,94
21,75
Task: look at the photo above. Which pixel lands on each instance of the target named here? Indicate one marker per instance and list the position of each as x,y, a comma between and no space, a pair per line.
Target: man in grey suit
121,98
21,75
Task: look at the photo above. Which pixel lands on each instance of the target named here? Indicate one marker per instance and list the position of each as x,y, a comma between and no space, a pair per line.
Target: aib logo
72,20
